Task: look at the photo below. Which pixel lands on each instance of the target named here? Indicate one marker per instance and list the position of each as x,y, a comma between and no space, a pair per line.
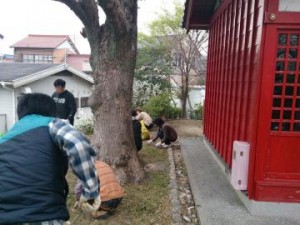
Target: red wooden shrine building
253,88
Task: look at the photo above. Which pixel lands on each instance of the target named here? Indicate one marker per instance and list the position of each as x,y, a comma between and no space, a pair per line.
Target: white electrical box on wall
240,164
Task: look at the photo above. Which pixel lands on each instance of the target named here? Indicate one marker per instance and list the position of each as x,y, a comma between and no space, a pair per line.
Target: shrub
160,105
196,113
84,124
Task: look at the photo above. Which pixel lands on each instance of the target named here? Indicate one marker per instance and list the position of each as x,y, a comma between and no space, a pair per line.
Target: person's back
34,158
111,192
141,115
20,194
169,132
165,132
110,187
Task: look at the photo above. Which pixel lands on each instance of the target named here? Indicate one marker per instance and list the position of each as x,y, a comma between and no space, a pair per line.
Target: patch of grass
145,203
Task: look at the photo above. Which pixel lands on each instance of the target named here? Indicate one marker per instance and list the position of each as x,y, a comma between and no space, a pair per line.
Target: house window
84,102
37,58
28,58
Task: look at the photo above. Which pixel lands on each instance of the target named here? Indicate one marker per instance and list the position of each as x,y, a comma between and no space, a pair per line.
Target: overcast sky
18,18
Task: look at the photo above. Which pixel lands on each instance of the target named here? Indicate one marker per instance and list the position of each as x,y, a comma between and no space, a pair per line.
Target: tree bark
113,56
185,94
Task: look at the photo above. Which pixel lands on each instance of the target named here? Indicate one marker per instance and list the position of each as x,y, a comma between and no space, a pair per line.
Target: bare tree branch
87,12
114,9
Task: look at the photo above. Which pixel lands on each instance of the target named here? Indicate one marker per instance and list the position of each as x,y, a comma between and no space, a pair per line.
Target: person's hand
149,142
158,144
89,205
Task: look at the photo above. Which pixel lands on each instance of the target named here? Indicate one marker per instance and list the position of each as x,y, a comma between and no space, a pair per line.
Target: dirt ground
187,128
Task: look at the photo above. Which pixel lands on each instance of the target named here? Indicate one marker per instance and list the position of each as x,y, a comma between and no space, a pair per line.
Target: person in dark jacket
65,101
165,132
34,158
137,131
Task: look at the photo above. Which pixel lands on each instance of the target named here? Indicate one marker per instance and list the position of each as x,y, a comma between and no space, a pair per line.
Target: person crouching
111,192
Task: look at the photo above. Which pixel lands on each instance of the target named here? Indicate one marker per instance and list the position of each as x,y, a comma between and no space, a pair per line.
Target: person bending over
111,192
165,132
34,155
141,115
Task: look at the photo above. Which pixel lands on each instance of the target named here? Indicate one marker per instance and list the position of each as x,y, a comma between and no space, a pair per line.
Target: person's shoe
158,145
165,146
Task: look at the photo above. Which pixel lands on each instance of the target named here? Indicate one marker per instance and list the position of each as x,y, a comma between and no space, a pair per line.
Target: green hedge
160,105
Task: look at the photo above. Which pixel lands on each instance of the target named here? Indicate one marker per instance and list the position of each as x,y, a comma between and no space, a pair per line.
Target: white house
17,79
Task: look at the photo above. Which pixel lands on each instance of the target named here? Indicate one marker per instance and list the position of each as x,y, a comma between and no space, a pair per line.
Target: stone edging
175,203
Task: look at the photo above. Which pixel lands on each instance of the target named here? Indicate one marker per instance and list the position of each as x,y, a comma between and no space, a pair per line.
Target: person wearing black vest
65,101
137,131
34,158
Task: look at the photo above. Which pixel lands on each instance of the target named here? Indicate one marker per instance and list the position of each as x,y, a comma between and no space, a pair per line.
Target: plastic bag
145,132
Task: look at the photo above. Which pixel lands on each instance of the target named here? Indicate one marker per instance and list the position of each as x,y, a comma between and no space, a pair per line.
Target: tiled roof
13,71
43,41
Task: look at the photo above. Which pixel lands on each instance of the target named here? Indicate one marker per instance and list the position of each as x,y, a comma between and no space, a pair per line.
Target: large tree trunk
113,56
111,105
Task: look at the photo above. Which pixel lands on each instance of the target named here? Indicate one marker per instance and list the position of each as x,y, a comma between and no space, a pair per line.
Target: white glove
89,207
150,141
158,144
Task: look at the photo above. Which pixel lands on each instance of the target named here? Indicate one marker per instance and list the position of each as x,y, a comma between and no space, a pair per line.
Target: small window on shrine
296,126
289,91
292,66
282,39
281,53
298,103
290,78
288,103
294,40
280,66
285,114
276,114
275,126
276,102
286,126
277,90
297,115
293,53
279,78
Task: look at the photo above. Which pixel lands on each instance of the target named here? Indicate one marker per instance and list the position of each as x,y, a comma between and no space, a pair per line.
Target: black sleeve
71,105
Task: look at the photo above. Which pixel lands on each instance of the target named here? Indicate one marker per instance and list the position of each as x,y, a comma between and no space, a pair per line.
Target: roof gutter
4,83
